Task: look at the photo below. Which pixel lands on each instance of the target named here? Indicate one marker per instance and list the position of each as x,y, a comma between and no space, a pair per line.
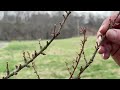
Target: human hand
111,44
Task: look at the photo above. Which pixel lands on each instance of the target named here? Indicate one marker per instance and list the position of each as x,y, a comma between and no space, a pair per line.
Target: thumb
113,35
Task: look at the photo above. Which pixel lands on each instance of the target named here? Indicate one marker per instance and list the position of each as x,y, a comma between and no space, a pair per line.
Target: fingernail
100,38
101,28
105,56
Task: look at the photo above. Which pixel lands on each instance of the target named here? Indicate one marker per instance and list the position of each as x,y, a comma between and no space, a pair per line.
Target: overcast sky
102,13
106,13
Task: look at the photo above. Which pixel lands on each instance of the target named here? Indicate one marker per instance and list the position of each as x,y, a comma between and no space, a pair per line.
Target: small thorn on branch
95,47
43,53
82,42
20,66
64,16
81,69
40,44
28,55
23,53
81,45
85,57
35,53
73,66
76,59
25,60
47,42
16,66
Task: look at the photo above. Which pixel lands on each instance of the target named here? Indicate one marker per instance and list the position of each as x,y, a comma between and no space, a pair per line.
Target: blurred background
32,25
20,31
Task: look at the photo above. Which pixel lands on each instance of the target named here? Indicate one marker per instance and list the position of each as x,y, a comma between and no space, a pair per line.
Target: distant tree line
35,26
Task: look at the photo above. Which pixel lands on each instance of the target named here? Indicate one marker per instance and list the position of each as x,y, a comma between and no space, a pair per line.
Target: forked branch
83,30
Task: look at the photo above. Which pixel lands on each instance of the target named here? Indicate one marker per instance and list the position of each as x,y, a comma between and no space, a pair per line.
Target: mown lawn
52,66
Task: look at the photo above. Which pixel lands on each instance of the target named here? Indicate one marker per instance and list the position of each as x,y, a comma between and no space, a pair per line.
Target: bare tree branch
83,30
36,54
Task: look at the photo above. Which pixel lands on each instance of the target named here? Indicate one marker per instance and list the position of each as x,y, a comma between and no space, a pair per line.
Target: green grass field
52,66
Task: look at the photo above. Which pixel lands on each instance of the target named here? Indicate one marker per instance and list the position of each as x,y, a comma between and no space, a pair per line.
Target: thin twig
84,57
80,54
7,67
35,71
40,44
28,55
25,60
36,54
